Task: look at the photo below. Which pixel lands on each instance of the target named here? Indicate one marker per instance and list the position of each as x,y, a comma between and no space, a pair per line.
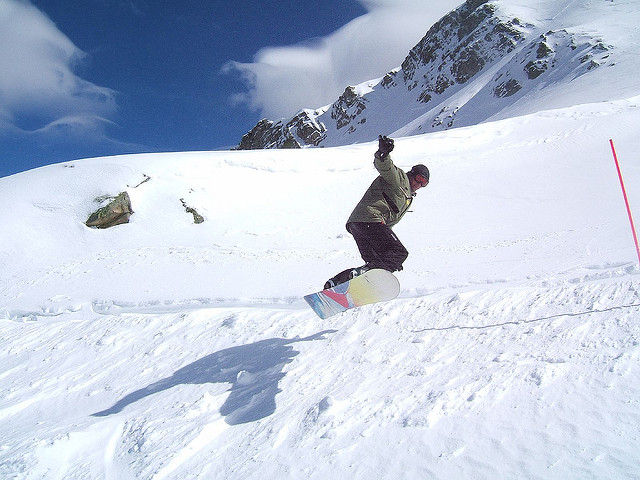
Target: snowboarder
382,206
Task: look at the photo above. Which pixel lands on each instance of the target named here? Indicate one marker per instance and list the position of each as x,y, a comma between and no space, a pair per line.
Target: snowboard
374,286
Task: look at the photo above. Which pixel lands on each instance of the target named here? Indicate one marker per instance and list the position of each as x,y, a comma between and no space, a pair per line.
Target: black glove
385,146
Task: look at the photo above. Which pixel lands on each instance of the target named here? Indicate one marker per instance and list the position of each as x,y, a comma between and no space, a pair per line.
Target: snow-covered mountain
168,349
486,60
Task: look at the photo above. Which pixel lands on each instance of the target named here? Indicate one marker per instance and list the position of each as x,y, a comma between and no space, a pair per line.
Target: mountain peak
475,62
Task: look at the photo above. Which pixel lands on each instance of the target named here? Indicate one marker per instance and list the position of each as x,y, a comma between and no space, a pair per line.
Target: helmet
419,170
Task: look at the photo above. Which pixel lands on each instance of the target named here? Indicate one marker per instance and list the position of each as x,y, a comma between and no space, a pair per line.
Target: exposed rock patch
197,218
115,211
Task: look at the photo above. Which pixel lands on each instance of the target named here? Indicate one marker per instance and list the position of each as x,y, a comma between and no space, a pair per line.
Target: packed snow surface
165,349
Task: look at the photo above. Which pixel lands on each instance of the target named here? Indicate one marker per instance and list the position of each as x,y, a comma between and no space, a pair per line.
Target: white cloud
37,84
282,80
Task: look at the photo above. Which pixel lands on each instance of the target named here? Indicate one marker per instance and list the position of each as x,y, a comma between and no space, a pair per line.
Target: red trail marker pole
626,200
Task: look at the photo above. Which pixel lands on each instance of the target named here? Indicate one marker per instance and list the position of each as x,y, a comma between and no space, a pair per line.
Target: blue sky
105,77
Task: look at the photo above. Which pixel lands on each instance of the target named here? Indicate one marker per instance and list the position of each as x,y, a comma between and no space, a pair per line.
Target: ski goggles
421,180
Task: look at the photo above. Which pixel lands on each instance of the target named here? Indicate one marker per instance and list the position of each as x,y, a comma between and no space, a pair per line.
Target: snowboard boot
346,275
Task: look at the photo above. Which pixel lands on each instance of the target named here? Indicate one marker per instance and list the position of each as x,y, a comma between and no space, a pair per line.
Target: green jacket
388,198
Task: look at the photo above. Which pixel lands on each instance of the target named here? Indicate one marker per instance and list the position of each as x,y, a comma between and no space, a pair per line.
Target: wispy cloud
39,91
283,80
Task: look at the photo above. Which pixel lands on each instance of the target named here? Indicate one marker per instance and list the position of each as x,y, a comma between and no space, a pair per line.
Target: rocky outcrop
458,47
197,218
300,130
266,134
348,107
115,211
305,128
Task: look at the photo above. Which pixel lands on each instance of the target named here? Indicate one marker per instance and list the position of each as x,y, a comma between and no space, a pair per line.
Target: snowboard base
372,287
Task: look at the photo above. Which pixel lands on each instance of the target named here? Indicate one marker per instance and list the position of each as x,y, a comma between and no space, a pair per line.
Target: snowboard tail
374,286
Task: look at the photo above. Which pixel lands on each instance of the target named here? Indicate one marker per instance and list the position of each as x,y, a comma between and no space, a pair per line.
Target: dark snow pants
378,245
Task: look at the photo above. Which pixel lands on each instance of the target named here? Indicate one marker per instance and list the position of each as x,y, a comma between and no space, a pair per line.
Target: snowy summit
163,348
484,61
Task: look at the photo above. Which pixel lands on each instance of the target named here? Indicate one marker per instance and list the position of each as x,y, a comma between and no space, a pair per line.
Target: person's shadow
254,371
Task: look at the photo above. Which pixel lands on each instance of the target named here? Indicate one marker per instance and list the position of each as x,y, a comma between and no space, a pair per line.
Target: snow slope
162,349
